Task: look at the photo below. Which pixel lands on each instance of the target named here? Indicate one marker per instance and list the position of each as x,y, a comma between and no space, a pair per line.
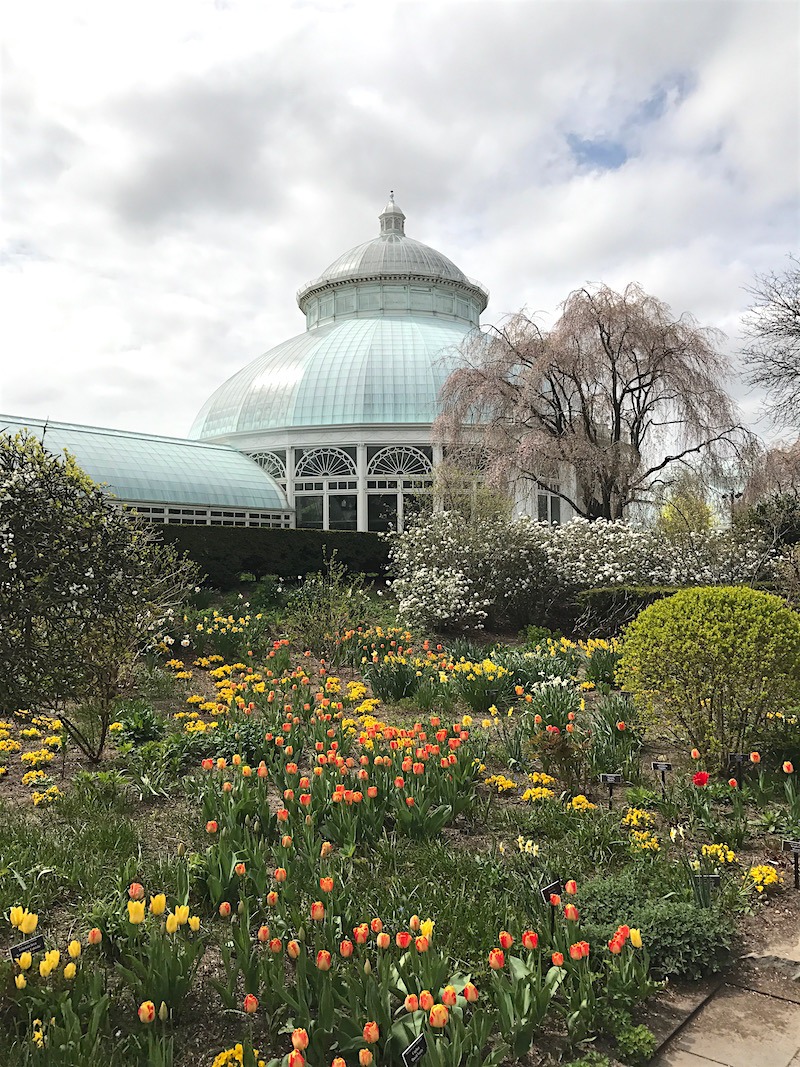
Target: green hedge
606,609
225,552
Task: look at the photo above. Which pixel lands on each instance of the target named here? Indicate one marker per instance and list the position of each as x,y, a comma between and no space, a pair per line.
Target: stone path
751,1019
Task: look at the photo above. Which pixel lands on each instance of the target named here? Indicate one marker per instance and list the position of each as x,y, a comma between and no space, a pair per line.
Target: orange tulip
497,959
240,869
299,1039
470,993
371,1033
383,940
360,934
326,885
293,949
296,1059
426,1001
571,887
95,936
695,753
317,911
324,960
376,926
263,934
403,939
788,767
558,959
147,1011
422,944
276,945
575,951
571,913
411,1003
755,757
438,1016
136,891
250,1003
530,940
272,898
449,996
505,939
365,1057
225,909
211,826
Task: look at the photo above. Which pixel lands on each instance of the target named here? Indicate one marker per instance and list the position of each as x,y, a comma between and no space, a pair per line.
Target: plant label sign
415,1051
661,765
611,779
792,846
738,757
709,879
553,889
33,944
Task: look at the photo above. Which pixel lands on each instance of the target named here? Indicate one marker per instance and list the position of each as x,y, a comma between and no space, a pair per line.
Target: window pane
308,512
555,510
382,512
343,512
543,516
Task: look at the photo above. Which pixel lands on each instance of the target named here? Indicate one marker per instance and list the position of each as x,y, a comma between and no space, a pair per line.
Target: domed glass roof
148,469
384,324
358,371
391,256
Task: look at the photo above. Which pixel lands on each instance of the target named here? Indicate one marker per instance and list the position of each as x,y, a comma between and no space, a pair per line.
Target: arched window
325,463
273,463
399,461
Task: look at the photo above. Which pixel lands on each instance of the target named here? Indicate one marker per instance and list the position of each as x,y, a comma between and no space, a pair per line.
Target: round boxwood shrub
708,664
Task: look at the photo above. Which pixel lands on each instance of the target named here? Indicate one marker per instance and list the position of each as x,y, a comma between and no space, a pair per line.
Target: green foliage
84,588
140,722
223,553
709,664
607,609
325,606
636,1044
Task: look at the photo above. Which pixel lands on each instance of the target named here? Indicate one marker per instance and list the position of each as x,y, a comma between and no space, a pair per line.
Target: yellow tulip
636,938
182,914
20,981
44,968
69,971
426,928
74,949
53,958
194,923
172,924
29,922
25,961
136,911
15,916
158,904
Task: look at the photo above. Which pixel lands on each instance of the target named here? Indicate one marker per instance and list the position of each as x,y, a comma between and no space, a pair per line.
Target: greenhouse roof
144,468
355,372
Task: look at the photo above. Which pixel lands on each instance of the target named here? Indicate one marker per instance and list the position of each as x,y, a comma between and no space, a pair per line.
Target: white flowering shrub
457,574
590,554
84,586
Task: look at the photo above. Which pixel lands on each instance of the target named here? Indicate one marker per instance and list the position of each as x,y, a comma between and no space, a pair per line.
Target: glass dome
358,371
384,325
144,467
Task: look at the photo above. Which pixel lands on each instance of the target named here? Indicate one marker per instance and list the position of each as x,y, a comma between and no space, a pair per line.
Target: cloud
176,172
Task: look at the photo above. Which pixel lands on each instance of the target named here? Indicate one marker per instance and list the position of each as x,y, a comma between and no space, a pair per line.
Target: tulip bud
250,1004
163,1012
367,967
181,849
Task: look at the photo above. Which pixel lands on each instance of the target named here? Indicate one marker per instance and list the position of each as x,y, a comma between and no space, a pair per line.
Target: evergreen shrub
708,665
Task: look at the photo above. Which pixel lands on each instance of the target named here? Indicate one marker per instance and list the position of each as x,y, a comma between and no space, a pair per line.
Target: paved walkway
752,1019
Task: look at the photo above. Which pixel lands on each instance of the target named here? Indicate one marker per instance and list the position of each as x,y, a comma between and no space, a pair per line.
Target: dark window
308,512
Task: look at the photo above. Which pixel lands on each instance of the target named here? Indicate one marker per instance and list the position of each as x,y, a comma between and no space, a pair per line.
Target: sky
173,172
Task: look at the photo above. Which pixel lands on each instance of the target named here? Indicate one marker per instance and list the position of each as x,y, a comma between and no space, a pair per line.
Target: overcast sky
175,170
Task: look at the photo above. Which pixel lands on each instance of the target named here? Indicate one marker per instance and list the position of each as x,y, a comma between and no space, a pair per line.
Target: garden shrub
455,574
326,605
223,553
710,664
607,609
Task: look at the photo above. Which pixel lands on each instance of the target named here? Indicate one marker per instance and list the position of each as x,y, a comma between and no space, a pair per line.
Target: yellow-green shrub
708,664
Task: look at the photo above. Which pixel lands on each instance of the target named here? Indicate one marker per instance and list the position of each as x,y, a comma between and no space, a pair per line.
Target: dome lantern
392,218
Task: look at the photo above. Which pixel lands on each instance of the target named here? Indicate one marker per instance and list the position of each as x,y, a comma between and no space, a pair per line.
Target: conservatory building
341,415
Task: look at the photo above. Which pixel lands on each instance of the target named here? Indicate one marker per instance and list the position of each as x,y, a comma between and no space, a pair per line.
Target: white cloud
177,171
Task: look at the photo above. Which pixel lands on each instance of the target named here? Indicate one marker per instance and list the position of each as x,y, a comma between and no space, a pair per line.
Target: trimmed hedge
607,609
225,552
